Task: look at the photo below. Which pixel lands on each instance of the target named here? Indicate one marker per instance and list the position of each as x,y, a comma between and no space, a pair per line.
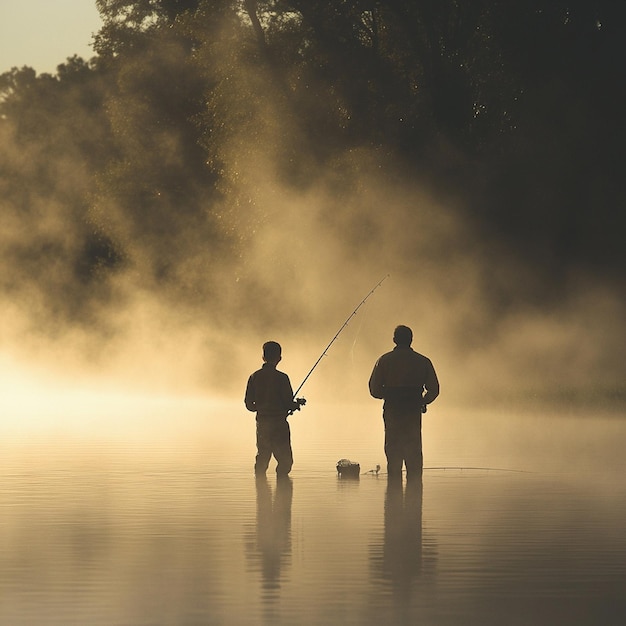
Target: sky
44,33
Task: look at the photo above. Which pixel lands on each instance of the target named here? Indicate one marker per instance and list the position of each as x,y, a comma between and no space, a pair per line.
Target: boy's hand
297,403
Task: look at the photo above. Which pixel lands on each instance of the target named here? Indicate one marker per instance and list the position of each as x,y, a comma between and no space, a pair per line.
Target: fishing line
356,337
486,469
378,284
377,471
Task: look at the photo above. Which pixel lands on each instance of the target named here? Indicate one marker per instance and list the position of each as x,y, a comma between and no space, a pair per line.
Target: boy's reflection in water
272,547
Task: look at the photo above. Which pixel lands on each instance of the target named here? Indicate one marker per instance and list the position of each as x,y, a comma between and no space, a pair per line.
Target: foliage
515,105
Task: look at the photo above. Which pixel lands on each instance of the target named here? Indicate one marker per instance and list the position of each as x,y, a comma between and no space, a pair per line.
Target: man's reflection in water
406,562
402,549
271,545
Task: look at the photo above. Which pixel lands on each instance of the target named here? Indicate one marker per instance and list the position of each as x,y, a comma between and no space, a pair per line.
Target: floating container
348,469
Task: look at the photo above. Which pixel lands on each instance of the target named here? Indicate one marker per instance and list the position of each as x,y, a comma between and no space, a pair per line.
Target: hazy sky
43,33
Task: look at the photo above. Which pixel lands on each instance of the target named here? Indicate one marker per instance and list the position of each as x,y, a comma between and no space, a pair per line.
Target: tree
54,139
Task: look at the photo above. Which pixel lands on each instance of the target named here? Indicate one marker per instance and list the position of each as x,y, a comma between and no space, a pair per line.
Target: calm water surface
158,520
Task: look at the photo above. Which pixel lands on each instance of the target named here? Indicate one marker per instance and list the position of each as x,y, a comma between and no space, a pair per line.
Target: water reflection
269,546
155,533
404,563
402,549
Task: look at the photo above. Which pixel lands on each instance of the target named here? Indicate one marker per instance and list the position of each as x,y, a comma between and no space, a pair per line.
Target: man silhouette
407,382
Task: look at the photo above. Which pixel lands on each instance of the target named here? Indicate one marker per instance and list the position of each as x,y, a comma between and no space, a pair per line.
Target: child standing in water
270,394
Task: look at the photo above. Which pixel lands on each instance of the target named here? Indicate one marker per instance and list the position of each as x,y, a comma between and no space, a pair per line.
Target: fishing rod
337,334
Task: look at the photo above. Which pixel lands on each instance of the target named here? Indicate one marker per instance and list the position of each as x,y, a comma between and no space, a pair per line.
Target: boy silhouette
270,394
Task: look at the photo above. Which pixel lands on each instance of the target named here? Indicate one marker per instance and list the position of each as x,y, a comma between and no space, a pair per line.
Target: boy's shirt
269,393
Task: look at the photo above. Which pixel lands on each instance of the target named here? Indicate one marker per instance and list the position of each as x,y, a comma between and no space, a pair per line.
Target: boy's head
272,352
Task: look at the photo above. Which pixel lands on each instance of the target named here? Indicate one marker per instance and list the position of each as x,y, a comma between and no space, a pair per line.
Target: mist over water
308,256
189,280
308,263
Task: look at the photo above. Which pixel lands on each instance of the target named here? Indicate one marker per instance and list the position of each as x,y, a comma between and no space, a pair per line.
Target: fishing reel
299,402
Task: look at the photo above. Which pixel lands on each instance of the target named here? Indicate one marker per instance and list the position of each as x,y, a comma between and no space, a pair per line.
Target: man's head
402,336
272,352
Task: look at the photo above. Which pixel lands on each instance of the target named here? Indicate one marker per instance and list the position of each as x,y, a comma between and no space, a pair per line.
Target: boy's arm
290,402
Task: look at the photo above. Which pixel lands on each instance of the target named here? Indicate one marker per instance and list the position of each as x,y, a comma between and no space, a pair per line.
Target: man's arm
250,397
431,385
376,382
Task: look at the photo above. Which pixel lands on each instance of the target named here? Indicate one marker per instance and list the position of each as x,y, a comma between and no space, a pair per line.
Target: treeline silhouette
139,158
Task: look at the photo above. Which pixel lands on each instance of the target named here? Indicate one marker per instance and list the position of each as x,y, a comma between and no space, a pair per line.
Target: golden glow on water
36,405
33,403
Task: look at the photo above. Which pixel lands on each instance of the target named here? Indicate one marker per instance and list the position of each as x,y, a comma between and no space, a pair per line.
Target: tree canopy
148,156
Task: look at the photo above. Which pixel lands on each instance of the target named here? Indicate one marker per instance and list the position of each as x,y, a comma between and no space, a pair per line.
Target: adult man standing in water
407,382
269,393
